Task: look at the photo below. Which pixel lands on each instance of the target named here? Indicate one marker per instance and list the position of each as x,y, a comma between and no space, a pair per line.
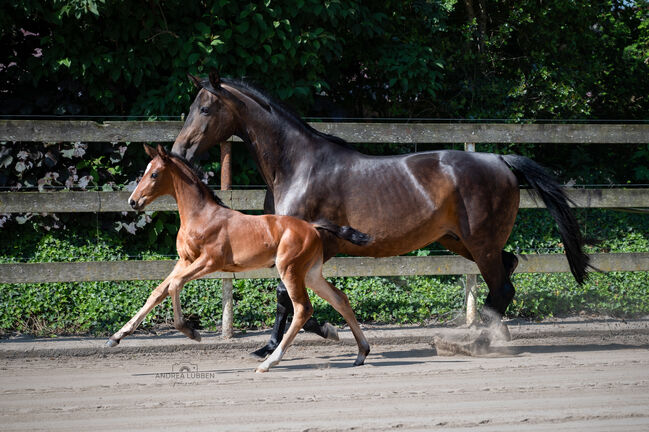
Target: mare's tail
557,204
344,232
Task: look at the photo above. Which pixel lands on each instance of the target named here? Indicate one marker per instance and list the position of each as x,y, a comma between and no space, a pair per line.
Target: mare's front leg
155,298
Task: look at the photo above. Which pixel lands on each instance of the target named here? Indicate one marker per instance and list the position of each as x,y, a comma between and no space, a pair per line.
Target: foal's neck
192,199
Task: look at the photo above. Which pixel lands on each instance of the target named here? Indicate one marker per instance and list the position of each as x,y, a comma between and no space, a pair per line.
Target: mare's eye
205,110
154,175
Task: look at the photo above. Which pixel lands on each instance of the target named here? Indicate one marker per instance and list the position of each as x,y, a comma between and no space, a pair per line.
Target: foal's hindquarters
297,276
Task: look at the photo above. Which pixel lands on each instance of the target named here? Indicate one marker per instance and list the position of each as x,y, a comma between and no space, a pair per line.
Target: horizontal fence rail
253,199
166,131
337,267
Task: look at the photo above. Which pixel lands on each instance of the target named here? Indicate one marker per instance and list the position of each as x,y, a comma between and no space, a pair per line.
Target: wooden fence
136,131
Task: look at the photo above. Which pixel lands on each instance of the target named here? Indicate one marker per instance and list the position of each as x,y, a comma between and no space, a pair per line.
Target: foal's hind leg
302,311
284,309
340,302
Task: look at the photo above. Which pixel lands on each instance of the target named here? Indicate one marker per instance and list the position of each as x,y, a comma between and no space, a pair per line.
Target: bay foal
213,238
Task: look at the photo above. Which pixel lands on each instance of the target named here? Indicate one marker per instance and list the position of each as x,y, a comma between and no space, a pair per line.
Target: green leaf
243,27
203,28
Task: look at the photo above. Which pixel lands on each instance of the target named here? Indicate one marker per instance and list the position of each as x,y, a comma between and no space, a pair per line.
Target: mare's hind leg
340,302
510,262
284,309
501,290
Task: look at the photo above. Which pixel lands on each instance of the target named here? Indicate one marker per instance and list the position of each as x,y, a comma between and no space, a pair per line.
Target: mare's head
156,181
212,118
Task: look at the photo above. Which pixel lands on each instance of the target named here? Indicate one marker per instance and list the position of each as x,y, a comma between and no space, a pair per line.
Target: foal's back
240,242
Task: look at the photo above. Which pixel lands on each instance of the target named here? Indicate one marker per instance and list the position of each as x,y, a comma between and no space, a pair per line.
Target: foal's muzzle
136,205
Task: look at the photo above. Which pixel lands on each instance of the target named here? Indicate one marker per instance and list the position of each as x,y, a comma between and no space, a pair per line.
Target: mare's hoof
261,370
263,352
110,343
359,362
502,332
330,332
196,335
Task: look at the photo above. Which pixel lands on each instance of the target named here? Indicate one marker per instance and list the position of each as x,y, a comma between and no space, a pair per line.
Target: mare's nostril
132,203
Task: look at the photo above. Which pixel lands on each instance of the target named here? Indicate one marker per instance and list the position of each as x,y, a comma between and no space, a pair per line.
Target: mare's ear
226,97
195,80
152,152
215,79
162,152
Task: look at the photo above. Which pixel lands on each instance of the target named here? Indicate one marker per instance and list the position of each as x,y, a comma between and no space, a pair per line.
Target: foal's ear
215,79
195,80
162,152
152,152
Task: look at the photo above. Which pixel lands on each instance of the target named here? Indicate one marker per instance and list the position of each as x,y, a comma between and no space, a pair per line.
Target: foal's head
156,181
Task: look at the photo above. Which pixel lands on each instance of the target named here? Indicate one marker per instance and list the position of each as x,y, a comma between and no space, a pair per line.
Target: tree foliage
422,58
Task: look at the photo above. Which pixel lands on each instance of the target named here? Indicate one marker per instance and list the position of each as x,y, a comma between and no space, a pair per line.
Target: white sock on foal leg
271,361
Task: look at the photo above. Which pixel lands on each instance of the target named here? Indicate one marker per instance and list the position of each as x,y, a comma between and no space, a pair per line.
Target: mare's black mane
199,174
270,105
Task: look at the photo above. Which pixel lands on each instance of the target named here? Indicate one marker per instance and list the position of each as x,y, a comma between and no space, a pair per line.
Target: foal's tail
344,232
557,204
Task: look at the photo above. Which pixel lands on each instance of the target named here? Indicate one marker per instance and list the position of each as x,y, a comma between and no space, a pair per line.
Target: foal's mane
195,174
272,106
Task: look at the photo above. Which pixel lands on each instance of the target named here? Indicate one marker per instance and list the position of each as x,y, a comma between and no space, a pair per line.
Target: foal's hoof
261,370
360,359
111,343
330,332
196,336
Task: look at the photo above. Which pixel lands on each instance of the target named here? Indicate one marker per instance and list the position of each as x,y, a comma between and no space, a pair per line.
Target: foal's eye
154,175
205,110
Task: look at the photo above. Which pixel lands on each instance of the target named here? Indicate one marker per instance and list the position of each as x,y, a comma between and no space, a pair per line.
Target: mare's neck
278,145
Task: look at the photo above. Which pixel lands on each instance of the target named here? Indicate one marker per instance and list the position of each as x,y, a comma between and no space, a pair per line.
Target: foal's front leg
202,266
155,298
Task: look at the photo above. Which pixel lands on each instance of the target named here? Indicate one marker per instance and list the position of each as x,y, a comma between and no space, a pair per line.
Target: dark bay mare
466,201
213,237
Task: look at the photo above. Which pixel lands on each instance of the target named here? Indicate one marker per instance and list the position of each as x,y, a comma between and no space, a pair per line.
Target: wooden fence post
471,286
226,294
